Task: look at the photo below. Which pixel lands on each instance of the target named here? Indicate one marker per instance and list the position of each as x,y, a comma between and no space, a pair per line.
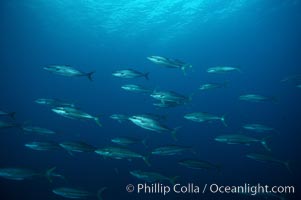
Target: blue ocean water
262,38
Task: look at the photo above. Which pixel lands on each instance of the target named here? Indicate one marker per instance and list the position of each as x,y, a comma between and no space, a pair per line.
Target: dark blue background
263,38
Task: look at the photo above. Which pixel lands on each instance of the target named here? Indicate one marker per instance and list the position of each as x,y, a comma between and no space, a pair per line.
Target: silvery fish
169,62
65,70
120,153
222,69
293,78
199,164
259,128
125,141
73,113
20,174
74,193
170,96
242,139
203,117
171,150
77,147
42,146
256,98
4,125
54,102
210,86
130,73
120,117
136,88
37,130
167,104
269,159
152,125
152,176
10,114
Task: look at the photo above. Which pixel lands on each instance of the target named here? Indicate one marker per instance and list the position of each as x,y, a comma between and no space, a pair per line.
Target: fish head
135,118
126,87
157,95
187,116
52,68
41,101
135,172
116,140
49,68
191,116
155,59
119,73
116,73
64,145
220,139
102,152
252,156
211,70
30,145
59,110
203,87
114,116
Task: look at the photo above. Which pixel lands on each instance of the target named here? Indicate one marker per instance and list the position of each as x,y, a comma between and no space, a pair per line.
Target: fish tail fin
89,75
49,174
174,132
97,121
99,193
146,75
224,121
264,143
12,115
173,180
146,160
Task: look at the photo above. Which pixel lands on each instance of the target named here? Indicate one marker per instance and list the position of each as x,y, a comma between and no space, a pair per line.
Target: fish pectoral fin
89,75
49,173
